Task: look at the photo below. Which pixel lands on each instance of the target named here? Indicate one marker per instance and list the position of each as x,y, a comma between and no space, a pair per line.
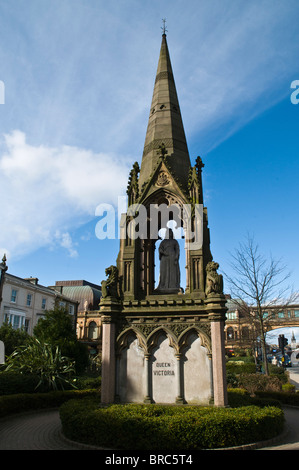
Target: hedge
285,398
162,427
12,382
241,397
21,402
234,367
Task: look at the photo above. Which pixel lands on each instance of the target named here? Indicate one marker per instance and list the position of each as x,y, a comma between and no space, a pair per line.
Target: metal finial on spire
164,26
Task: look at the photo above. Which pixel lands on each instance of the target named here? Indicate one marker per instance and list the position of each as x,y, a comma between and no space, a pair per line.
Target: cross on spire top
164,26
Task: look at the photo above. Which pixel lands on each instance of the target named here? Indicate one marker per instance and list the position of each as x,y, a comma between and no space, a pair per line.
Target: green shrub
240,397
33,401
14,382
56,328
240,367
43,360
284,397
158,427
12,338
85,382
244,359
259,382
278,372
288,387
232,380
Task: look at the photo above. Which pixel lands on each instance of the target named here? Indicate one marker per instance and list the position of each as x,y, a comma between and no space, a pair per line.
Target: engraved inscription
163,368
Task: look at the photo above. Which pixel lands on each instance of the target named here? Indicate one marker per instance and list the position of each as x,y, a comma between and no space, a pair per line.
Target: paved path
38,431
291,438
294,376
42,431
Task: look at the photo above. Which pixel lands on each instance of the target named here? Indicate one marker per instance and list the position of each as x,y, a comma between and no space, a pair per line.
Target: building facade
89,325
240,329
24,301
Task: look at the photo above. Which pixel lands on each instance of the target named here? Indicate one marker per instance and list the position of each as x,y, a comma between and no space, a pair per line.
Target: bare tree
257,286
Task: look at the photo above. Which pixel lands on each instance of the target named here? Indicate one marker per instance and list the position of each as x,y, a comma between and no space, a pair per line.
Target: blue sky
79,77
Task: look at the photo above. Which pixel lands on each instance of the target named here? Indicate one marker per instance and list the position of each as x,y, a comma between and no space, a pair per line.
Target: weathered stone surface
197,372
163,348
164,389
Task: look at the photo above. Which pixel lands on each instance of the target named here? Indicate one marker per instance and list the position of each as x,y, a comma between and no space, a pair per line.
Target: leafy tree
12,338
57,329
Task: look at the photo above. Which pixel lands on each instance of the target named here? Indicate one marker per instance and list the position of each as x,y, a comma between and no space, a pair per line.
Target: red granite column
218,358
108,361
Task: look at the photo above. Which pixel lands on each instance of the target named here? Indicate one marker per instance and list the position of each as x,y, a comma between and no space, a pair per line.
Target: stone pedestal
147,398
218,358
108,361
216,305
109,308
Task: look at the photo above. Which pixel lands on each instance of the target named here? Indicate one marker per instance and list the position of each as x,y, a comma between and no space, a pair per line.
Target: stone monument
162,343
169,253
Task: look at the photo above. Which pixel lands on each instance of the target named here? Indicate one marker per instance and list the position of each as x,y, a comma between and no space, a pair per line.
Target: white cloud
46,191
65,241
231,60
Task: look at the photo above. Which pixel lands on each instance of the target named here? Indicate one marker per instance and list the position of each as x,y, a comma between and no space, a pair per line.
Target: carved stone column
117,368
147,398
216,306
108,360
179,398
218,360
211,374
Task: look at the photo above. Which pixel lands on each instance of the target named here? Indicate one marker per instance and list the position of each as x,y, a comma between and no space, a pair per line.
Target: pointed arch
195,351
122,340
130,371
204,337
153,338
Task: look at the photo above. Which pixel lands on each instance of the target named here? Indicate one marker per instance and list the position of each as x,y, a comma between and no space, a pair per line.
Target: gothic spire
165,125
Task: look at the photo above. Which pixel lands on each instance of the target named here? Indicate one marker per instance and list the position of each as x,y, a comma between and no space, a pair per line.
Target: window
44,302
265,314
230,333
13,295
92,330
71,309
29,300
39,316
26,326
15,322
280,314
15,318
296,313
231,315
